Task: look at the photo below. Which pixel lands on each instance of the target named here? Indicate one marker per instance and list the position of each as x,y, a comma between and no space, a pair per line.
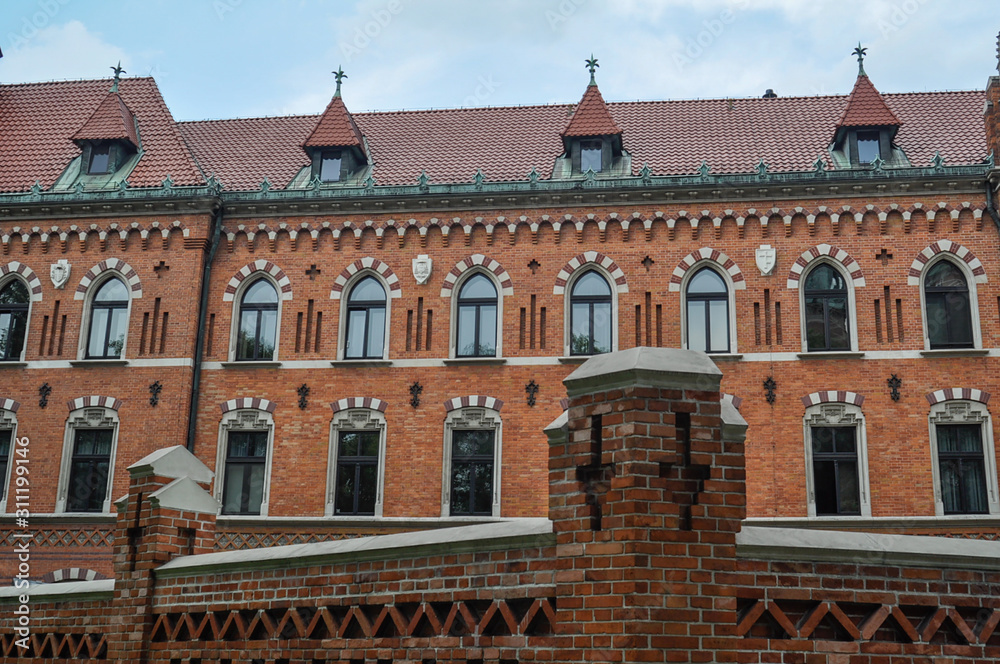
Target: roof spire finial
998,51
860,52
592,66
340,76
118,75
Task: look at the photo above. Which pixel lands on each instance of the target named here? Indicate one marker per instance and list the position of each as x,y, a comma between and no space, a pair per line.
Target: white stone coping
102,589
833,546
514,533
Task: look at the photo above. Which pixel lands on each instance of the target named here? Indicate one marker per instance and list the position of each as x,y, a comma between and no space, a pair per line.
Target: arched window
590,315
827,321
108,321
258,322
14,299
707,312
365,332
476,335
949,317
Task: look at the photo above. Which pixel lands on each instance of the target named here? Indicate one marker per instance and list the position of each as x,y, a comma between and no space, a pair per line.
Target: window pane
706,280
822,440
369,444
591,284
844,442
959,438
14,292
261,292
376,331
815,324
116,338
825,486
367,290
367,489
937,320
98,330
99,159
349,443
719,319
12,330
602,327
590,158
959,319
696,326
330,167
945,274
356,333
840,336
974,487
868,149
580,341
465,343
478,287
461,488
232,497
346,488
268,332
487,330
246,343
112,290
825,278
5,436
847,484
483,497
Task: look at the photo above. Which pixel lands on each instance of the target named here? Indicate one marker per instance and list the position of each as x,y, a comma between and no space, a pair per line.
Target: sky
248,58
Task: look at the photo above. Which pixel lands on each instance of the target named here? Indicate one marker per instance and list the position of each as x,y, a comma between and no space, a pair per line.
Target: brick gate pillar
647,494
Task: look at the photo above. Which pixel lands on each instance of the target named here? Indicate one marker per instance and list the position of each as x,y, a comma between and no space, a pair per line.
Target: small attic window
100,159
331,163
868,146
591,156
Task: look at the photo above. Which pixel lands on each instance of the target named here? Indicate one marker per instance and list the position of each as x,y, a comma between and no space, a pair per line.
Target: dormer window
100,159
868,147
591,155
331,163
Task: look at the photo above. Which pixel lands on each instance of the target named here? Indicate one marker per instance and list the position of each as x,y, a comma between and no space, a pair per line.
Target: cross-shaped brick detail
162,267
312,272
534,265
884,256
648,262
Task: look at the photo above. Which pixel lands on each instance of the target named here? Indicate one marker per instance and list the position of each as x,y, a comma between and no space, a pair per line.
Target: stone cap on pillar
734,427
665,368
184,495
172,462
557,429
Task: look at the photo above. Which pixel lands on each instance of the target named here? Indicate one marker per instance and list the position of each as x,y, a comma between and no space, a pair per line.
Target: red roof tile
37,121
335,128
866,108
111,121
591,117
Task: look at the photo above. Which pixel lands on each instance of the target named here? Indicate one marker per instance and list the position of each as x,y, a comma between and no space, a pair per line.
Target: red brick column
646,497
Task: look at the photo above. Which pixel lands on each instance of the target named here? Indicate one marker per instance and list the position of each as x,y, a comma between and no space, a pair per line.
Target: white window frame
837,414
730,300
568,307
852,308
961,411
27,323
472,417
8,422
89,417
234,332
244,419
453,341
970,281
88,316
342,323
355,419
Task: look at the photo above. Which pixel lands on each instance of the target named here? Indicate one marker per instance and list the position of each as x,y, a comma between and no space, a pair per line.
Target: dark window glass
835,470
108,320
366,320
258,322
477,318
88,474
6,436
708,312
827,326
246,455
472,472
963,474
868,146
100,159
330,167
591,156
14,300
590,315
357,472
949,317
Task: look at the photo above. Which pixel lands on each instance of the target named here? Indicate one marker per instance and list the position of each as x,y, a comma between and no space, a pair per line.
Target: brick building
360,323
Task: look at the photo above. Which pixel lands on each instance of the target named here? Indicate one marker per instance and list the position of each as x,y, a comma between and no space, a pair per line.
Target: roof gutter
199,348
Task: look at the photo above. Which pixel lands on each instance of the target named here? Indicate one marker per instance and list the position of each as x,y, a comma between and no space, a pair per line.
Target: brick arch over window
708,254
261,265
371,403
578,262
367,263
953,393
945,247
9,405
110,265
474,401
94,401
833,396
254,403
839,255
34,283
472,261
72,574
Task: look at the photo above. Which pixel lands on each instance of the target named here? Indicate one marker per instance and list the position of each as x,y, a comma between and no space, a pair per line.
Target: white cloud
56,52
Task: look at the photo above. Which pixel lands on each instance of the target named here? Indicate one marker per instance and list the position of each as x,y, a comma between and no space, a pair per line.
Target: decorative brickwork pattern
56,538
255,403
947,247
56,645
110,265
833,396
839,255
72,574
577,262
473,400
94,401
284,285
965,393
359,402
709,255
9,404
34,284
475,260
367,263
234,541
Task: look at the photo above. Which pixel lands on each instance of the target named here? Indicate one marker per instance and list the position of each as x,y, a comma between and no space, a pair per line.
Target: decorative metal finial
860,52
118,75
592,67
340,76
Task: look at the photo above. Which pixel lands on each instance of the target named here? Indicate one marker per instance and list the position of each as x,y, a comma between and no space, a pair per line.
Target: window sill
574,359
12,365
831,355
955,352
725,357
98,363
255,364
475,360
361,363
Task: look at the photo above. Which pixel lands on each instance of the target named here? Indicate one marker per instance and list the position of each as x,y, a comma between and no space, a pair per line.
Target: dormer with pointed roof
592,139
110,136
867,127
335,145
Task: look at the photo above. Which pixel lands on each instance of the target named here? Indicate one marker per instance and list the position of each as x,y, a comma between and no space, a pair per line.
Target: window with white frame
472,462
963,459
8,436
827,307
476,314
591,329
15,299
708,321
243,463
948,307
257,328
88,461
357,463
366,317
836,454
108,320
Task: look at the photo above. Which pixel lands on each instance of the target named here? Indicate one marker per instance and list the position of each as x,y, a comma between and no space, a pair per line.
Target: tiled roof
335,128
112,120
591,117
866,108
37,121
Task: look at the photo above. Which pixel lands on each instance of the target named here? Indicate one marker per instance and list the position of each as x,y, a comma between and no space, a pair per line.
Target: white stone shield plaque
59,273
766,257
422,265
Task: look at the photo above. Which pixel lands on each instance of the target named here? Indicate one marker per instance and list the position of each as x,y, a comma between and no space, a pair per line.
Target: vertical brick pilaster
992,116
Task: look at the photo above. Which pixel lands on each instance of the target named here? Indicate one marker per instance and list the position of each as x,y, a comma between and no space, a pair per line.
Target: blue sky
244,58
